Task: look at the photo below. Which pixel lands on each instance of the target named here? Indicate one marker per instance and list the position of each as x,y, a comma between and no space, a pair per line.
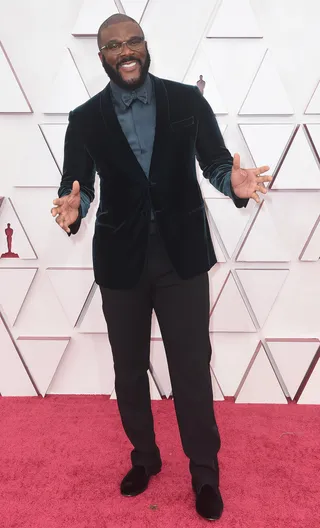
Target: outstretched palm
246,183
67,208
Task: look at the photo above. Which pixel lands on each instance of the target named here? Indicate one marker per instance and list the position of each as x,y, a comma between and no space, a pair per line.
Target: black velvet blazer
185,128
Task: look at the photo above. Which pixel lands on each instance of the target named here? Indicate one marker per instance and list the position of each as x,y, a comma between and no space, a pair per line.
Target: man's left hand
246,183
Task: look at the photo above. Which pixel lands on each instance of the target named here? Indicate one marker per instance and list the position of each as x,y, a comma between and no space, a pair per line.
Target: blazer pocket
183,123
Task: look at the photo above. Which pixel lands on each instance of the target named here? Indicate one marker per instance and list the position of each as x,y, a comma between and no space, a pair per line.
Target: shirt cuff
239,202
84,204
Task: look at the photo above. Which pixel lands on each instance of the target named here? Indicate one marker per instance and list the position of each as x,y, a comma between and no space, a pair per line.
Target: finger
264,168
264,178
55,211
236,161
255,197
262,189
75,187
59,201
60,220
62,223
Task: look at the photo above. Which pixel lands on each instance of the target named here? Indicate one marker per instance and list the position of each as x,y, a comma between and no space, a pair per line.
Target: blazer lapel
162,125
116,139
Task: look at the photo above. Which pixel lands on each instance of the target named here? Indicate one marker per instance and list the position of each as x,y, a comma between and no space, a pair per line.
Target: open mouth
129,65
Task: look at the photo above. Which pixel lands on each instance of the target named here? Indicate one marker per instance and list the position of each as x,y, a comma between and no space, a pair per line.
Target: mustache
128,59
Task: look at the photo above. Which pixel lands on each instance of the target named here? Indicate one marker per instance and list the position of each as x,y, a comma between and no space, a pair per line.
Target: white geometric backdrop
261,65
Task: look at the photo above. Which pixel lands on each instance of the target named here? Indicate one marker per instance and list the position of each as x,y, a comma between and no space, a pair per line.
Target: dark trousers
182,309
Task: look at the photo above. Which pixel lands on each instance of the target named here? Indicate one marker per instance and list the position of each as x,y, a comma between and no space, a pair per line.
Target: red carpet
62,458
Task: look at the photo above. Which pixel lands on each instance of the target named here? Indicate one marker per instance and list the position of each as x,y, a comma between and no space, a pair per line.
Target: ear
100,56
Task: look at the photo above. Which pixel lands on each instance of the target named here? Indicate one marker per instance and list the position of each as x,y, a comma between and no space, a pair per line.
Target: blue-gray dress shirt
136,112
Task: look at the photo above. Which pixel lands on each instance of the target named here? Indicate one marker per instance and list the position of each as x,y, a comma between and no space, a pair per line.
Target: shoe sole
134,494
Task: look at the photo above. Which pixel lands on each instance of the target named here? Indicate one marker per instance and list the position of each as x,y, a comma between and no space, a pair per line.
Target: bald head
114,19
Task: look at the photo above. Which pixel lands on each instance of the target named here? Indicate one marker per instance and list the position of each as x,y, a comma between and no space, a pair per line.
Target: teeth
128,64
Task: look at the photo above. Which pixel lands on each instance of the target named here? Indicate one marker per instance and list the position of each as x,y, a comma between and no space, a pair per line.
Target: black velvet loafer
136,481
209,502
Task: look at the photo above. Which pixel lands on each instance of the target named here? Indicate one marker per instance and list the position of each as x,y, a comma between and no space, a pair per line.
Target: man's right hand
67,208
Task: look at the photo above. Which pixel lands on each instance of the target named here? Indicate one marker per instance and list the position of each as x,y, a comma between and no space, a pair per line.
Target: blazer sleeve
213,156
77,165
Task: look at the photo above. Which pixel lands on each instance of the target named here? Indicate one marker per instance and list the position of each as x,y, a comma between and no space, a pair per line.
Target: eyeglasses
115,47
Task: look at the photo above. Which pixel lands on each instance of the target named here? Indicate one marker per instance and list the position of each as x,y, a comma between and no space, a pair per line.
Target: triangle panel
262,287
134,8
261,384
218,276
85,368
293,359
42,356
311,392
217,394
235,19
296,312
270,247
231,355
68,90
270,238
177,16
230,313
54,134
312,249
85,54
14,242
313,132
72,287
245,55
12,97
159,364
201,74
155,328
219,253
235,143
237,220
64,251
35,165
267,142
92,320
14,379
14,287
92,15
41,314
154,393
276,100
299,169
314,103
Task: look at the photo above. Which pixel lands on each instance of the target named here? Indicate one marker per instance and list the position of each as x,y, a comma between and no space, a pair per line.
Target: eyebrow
117,40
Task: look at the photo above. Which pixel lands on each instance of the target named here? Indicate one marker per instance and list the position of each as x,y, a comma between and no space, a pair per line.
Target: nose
125,50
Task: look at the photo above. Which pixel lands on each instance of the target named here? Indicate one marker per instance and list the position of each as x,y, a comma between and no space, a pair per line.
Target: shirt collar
117,92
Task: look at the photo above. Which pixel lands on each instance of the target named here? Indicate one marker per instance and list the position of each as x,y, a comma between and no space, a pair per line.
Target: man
152,248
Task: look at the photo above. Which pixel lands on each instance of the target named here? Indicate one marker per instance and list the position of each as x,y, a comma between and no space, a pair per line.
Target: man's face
126,67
